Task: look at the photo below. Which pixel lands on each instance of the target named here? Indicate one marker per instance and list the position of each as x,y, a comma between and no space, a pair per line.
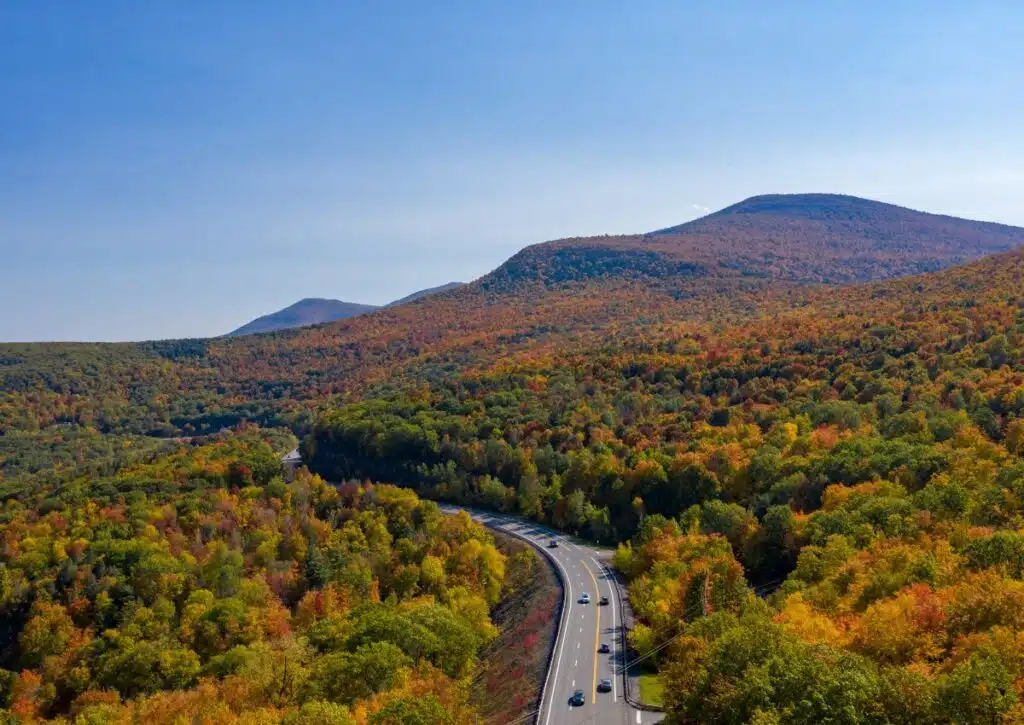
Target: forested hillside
199,585
315,311
707,396
859,450
569,294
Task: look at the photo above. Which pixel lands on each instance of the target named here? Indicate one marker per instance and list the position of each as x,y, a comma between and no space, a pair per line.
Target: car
604,649
577,699
584,598
604,686
553,544
604,601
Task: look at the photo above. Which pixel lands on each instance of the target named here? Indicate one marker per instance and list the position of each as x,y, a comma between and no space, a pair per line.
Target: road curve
576,664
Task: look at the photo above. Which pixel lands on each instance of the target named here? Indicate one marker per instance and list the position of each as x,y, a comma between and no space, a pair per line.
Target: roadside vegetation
859,455
817,491
199,587
508,684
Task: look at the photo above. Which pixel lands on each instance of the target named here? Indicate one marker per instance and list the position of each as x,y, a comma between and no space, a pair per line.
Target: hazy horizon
177,172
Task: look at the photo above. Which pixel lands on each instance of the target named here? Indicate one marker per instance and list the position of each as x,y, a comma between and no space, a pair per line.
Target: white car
585,598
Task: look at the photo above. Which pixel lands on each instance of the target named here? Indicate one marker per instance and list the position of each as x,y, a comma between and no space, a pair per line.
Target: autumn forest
799,422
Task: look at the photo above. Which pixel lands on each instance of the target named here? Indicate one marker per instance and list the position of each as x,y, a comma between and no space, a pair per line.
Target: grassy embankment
651,689
508,684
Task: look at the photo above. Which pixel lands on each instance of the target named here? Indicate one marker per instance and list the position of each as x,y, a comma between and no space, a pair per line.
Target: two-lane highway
577,663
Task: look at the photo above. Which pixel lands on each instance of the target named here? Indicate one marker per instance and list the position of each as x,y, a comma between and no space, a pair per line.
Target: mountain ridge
441,288
609,299
307,311
319,310
830,238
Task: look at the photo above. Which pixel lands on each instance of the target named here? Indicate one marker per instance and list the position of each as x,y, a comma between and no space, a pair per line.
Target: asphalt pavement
584,627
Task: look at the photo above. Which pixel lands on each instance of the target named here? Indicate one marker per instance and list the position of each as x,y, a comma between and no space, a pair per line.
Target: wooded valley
812,466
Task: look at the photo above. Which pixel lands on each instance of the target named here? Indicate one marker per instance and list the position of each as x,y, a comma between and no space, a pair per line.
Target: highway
576,664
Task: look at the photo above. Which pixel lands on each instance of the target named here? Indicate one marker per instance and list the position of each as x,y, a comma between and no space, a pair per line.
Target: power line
693,609
650,653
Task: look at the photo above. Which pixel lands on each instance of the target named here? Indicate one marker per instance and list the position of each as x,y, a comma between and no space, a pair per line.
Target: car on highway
553,544
584,598
604,686
604,601
577,699
603,649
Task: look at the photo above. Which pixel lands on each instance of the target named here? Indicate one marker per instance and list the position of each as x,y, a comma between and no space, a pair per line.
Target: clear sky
176,169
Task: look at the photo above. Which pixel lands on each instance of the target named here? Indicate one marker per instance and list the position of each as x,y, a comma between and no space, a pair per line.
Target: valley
532,363
794,427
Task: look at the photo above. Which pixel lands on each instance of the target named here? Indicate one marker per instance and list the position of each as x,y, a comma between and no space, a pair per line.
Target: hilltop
857,448
563,295
316,311
309,311
826,238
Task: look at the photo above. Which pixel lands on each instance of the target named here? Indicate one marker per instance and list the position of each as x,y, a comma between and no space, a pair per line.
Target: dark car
604,601
553,544
604,686
577,698
603,649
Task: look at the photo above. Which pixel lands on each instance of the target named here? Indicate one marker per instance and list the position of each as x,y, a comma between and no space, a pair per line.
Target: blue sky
176,169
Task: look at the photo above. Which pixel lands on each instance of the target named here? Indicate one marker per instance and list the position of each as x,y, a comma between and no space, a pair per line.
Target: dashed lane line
597,629
612,599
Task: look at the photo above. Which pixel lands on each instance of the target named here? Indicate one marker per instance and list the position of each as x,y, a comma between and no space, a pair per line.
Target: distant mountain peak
814,237
788,202
806,206
305,312
318,310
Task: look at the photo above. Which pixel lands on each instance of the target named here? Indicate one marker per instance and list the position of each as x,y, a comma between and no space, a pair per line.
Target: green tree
47,632
345,677
319,712
413,711
977,692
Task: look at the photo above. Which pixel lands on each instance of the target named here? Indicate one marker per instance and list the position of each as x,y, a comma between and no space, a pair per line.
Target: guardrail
562,608
624,647
627,693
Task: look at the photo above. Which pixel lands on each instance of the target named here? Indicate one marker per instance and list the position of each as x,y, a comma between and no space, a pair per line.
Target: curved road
576,664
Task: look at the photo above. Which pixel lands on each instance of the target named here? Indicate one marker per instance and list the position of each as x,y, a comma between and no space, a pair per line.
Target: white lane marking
612,600
638,716
581,630
576,663
570,547
561,645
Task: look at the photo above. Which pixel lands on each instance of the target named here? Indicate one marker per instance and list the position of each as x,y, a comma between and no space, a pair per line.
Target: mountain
789,238
856,449
827,238
315,311
310,311
708,391
426,293
751,260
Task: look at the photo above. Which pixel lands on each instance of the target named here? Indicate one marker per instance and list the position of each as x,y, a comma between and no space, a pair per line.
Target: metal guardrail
624,648
562,608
